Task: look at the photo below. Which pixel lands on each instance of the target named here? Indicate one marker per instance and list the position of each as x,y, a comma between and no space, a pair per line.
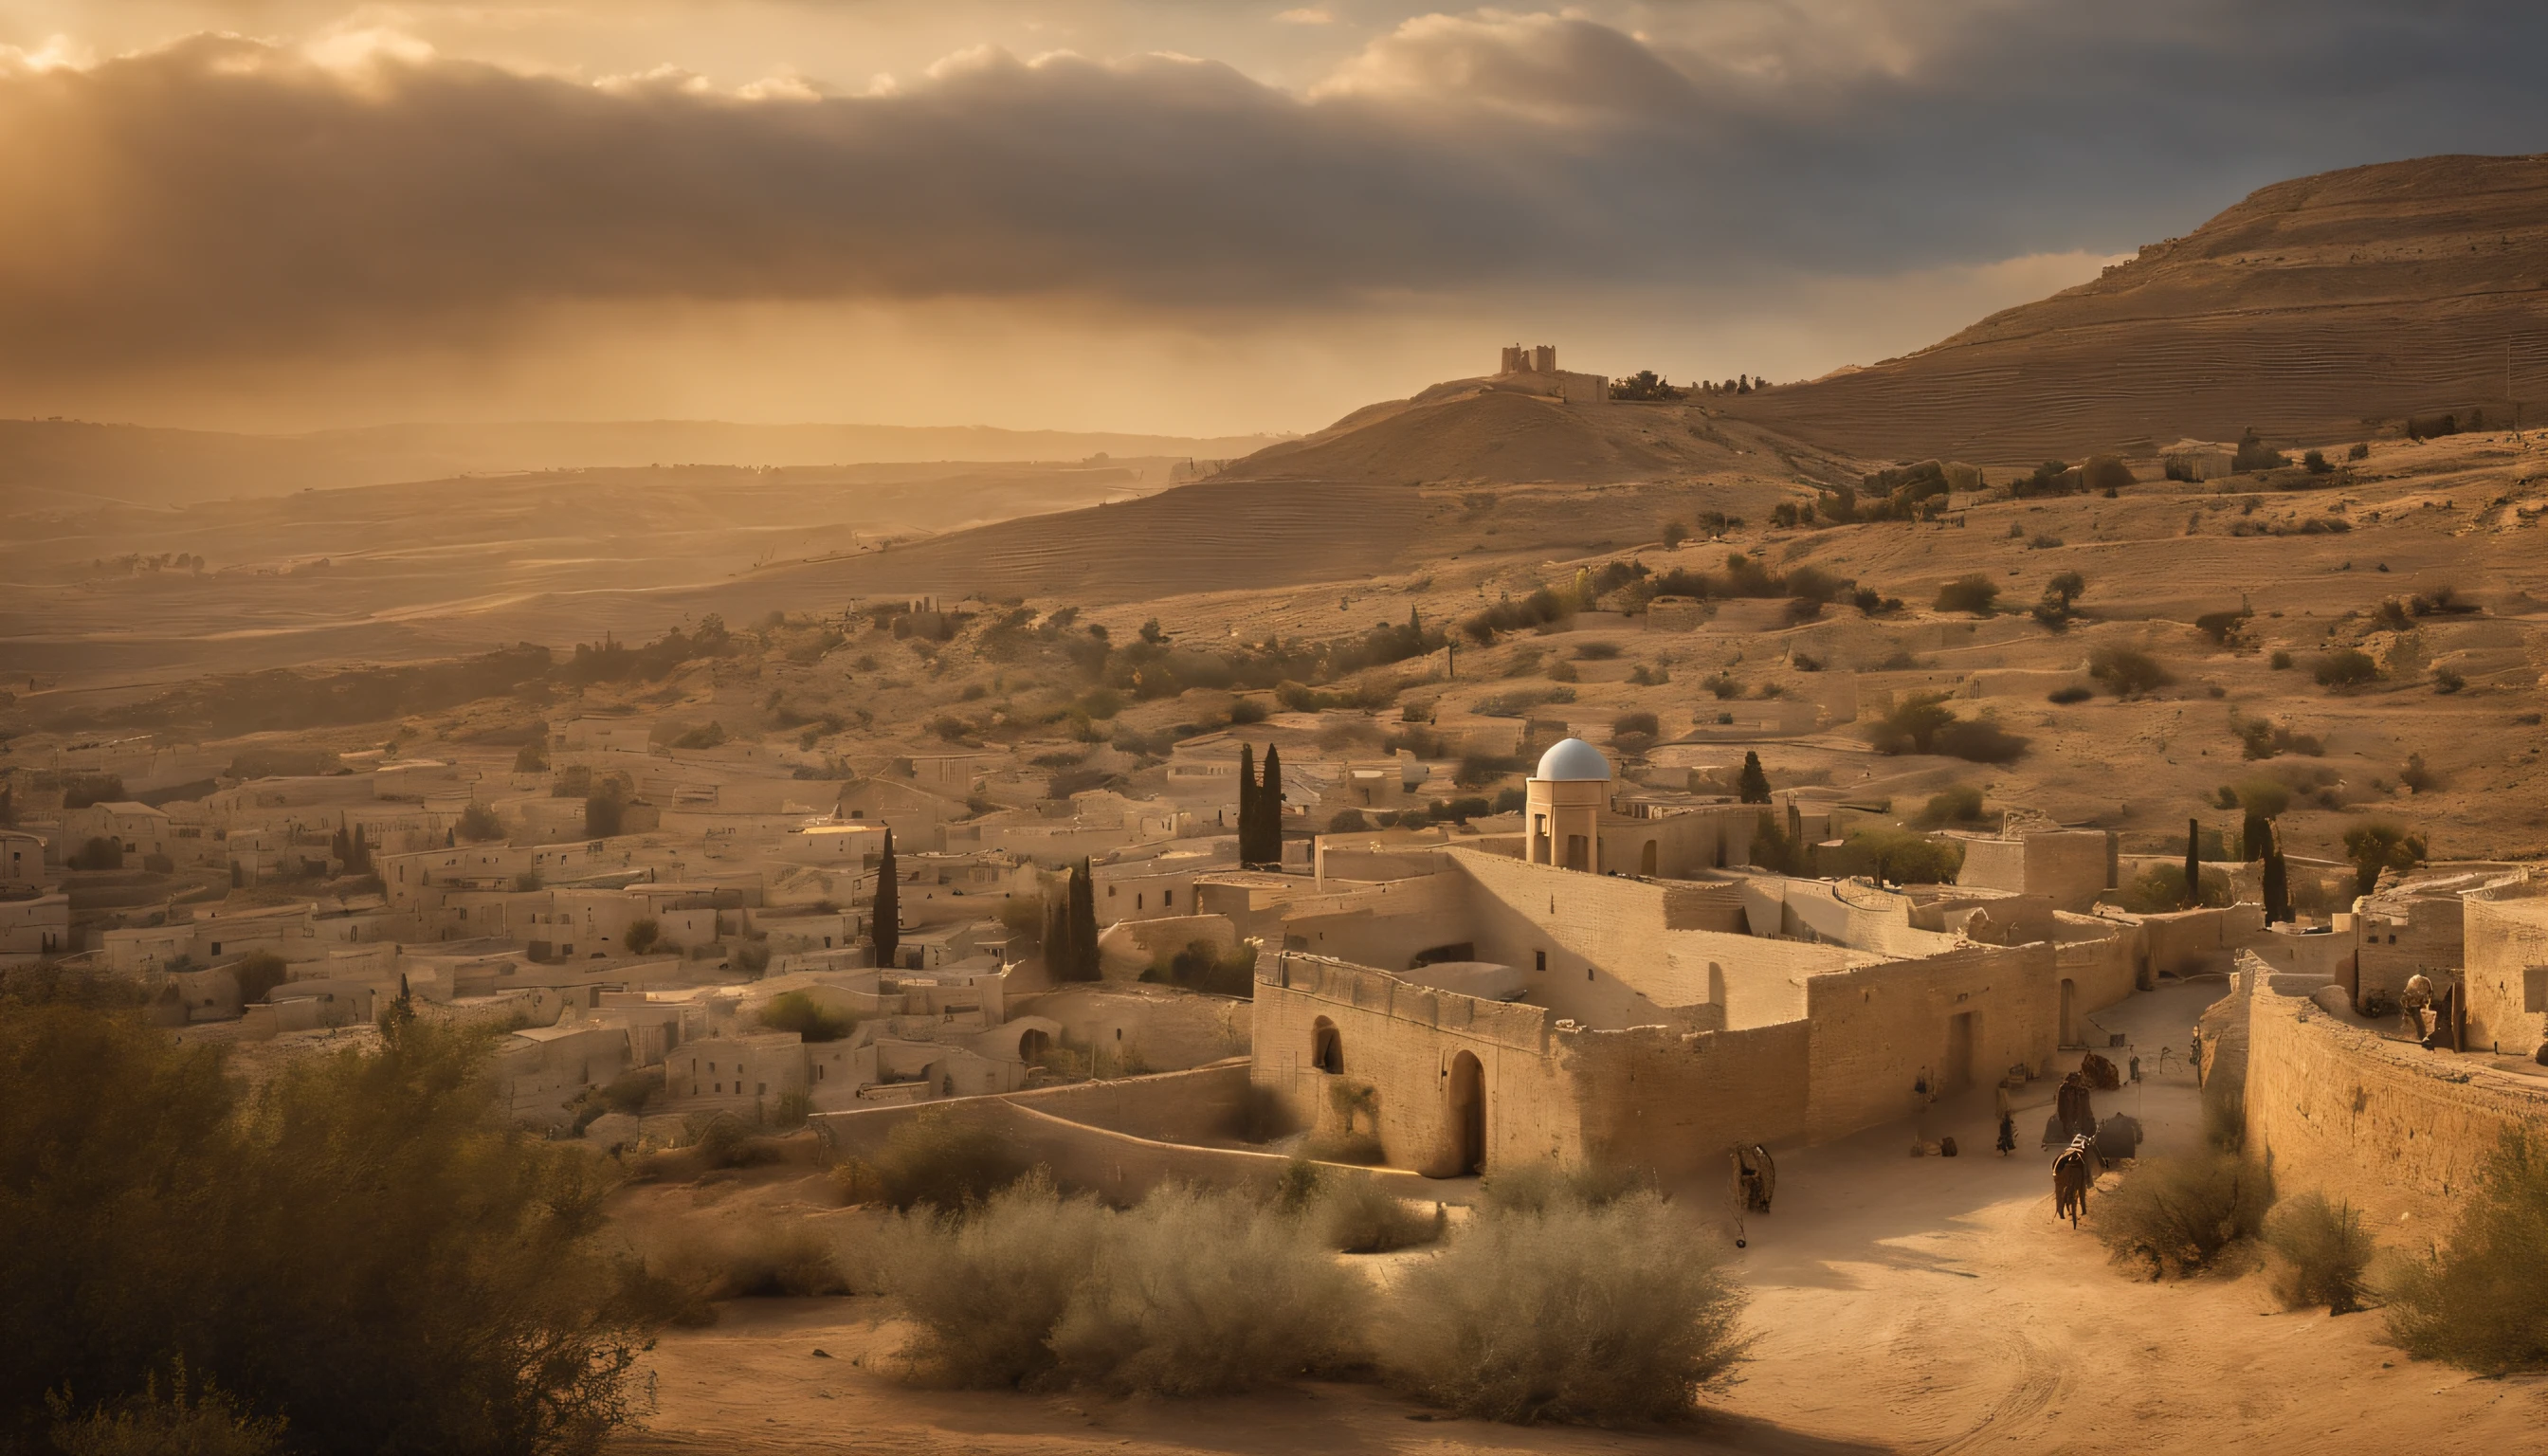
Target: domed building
1561,806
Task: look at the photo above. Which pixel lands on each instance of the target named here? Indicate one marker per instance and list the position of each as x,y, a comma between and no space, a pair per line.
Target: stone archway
1326,1047
1467,1115
1646,861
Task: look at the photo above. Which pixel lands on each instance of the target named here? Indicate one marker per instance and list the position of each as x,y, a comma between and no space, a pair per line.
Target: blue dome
1572,759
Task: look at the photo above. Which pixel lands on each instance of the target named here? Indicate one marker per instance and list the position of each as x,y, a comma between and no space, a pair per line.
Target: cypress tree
1755,780
1247,803
1269,810
1084,924
2255,835
343,849
362,852
1057,933
2278,883
887,932
2193,862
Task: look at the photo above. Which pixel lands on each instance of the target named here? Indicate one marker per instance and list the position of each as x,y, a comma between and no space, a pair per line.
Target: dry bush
1189,1294
1537,1187
944,1159
2482,1303
1602,1315
1203,1293
985,1291
1356,1216
2325,1247
199,1421
2176,1215
770,1257
1343,1148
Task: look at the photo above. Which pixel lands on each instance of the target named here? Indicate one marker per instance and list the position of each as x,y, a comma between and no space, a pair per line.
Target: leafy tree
366,1222
642,934
2061,600
886,932
2375,845
1755,782
532,758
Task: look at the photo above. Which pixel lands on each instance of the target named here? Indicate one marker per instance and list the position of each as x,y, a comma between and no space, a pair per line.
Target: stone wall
1874,1029
2506,975
1679,1104
1401,1040
2400,1132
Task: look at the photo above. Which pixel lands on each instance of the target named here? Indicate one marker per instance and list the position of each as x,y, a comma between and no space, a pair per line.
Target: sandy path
1920,1305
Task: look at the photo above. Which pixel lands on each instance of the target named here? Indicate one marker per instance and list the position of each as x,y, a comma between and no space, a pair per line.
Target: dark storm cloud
227,198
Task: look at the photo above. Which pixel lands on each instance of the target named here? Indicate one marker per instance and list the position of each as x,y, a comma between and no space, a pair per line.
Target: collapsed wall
2401,1132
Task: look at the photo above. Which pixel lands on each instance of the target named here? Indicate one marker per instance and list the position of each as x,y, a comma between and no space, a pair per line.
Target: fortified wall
2401,1132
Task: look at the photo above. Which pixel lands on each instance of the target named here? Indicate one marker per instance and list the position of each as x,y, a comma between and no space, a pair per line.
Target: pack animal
2073,1172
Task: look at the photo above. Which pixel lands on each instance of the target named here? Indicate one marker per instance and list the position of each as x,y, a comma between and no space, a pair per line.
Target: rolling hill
2312,311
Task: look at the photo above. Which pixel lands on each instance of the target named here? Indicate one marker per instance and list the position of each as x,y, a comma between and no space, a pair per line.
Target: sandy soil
1901,1304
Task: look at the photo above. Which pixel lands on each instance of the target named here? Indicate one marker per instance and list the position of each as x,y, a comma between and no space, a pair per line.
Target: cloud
1306,15
223,199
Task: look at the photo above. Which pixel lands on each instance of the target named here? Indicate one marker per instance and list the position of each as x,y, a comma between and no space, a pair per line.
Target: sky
1186,218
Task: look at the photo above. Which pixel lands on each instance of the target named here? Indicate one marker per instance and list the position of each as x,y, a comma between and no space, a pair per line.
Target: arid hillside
2313,305
1470,431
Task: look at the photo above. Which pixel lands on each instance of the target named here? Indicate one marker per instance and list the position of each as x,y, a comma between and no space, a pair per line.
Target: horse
2071,1177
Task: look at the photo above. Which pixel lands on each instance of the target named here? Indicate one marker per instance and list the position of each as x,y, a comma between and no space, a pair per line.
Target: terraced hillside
2310,307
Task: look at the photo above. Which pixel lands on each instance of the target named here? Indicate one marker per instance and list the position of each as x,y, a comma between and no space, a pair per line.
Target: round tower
1561,806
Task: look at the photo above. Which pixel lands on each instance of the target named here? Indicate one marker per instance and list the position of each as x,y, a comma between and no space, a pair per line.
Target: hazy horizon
1108,214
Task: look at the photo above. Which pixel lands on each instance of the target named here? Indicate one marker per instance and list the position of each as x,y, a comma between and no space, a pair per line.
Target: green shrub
799,1011
477,824
1605,1315
944,1159
1194,1294
2325,1247
724,1141
1898,855
2176,1215
1348,821
1356,1216
2482,1302
1922,724
1961,803
1973,592
641,936
2065,696
2127,671
2346,667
